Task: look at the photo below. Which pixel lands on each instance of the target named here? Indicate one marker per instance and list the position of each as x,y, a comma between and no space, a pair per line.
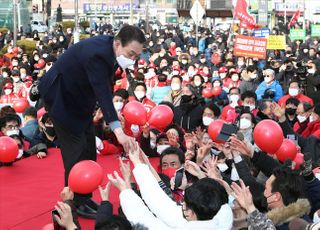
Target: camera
269,94
242,109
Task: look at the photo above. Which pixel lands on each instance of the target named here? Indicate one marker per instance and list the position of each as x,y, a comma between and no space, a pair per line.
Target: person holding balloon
70,89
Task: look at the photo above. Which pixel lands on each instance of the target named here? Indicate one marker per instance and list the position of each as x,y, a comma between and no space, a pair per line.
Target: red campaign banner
246,46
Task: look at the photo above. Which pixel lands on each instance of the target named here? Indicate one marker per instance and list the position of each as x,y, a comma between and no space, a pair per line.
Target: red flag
294,18
241,12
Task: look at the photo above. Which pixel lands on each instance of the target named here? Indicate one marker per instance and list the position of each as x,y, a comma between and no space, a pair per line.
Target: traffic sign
197,12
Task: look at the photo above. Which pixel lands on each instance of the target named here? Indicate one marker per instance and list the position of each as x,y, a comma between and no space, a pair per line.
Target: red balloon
85,177
287,150
160,116
216,90
134,112
20,105
298,160
36,66
207,92
48,227
8,149
268,136
214,130
41,63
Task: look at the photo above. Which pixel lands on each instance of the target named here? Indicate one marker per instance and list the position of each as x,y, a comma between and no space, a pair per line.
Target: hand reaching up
243,196
134,154
125,171
65,219
241,146
66,194
117,181
104,193
194,169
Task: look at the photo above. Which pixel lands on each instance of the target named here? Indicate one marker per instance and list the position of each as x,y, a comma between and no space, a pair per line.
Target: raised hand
65,219
173,139
125,171
194,169
117,181
134,154
243,196
211,170
188,137
105,193
241,146
66,194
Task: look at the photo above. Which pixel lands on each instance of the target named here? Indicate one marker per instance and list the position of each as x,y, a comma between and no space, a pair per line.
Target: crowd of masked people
221,186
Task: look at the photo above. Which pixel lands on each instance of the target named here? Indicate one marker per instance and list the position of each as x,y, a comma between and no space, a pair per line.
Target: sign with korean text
276,42
261,33
297,34
106,8
247,46
315,30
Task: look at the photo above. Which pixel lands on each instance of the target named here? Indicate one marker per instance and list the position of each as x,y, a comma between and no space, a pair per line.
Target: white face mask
235,78
205,79
4,74
254,76
161,148
23,76
20,153
216,84
125,62
240,63
7,91
316,218
184,62
245,123
197,83
206,121
12,132
223,75
234,98
293,92
268,80
139,94
16,79
301,118
152,144
312,119
175,72
311,71
36,58
47,68
118,105
175,86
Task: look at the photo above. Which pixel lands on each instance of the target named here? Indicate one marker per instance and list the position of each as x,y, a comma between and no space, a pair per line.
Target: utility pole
76,34
131,13
304,14
14,23
285,13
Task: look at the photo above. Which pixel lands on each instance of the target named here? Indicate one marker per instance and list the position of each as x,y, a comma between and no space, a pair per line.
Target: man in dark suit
82,76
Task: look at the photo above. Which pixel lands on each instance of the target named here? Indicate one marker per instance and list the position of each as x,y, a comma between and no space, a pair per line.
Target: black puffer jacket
188,117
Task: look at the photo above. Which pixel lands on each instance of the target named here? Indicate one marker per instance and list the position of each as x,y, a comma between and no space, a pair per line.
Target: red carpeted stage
30,188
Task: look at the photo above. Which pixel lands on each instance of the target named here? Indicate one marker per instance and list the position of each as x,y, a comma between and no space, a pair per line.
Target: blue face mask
230,201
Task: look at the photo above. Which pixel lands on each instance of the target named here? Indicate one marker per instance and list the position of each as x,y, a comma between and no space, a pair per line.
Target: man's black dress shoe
86,212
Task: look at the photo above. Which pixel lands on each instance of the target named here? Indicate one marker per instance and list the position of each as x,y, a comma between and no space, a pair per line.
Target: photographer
313,82
286,74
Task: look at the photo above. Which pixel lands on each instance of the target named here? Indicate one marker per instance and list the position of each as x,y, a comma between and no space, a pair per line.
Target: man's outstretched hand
126,141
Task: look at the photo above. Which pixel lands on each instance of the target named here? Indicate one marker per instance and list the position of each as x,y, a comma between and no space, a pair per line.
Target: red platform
30,188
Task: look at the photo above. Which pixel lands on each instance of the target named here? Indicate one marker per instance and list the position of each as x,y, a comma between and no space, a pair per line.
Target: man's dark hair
129,34
232,88
122,93
9,117
262,105
248,94
168,104
114,223
205,198
213,107
177,76
289,184
162,77
306,106
30,111
140,84
251,68
293,101
294,81
173,151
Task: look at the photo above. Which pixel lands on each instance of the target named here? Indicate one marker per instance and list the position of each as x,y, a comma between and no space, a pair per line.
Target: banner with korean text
247,46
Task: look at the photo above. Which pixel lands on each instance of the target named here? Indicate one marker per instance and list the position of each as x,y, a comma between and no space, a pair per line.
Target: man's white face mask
125,62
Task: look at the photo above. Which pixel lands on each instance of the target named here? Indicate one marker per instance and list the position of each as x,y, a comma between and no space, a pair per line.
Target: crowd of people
231,185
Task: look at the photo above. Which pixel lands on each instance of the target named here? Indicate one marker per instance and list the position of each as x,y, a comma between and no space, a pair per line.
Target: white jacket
168,215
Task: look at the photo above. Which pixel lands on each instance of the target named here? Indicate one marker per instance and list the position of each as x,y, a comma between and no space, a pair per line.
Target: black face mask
186,99
50,131
290,111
